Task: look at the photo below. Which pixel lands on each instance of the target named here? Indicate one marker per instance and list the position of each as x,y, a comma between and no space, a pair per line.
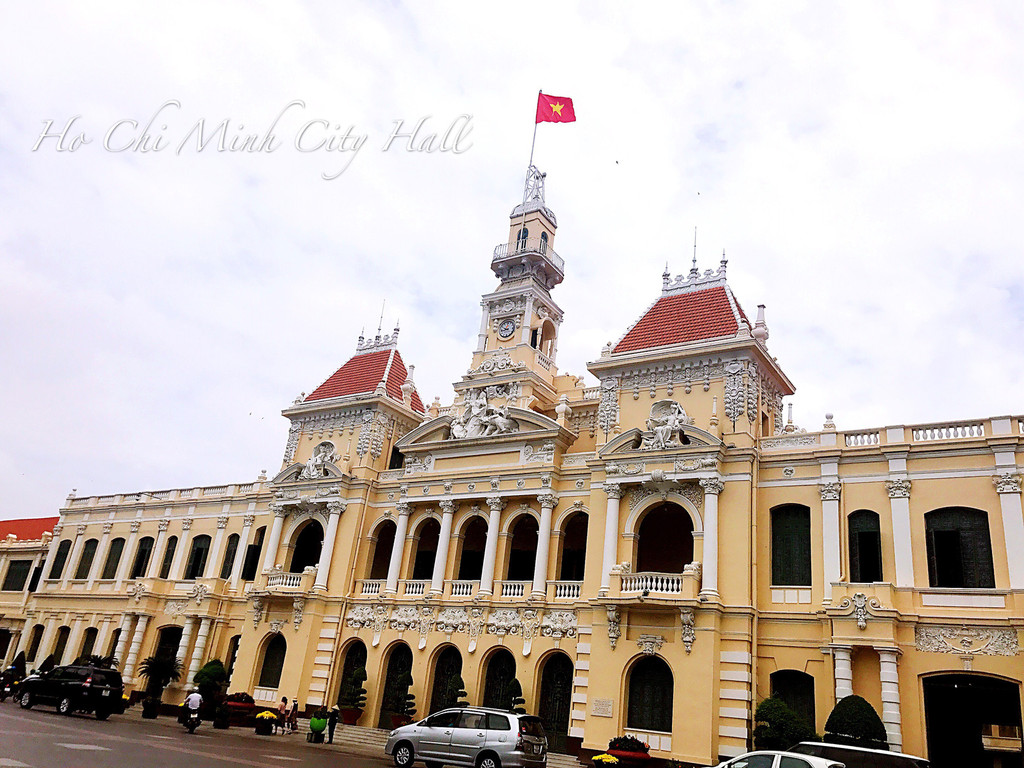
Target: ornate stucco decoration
198,593
108,527
712,485
559,624
372,433
650,644
298,605
735,399
316,465
499,362
138,590
359,616
452,620
504,621
687,633
403,618
634,468
608,408
275,626
176,607
898,489
476,627
691,465
544,452
789,441
858,605
1007,482
665,427
530,620
413,465
614,628
481,419
986,641
257,610
830,491
424,623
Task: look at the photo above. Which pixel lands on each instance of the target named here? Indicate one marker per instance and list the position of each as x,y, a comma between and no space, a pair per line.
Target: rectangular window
113,559
17,575
85,561
165,567
791,546
948,564
866,557
36,575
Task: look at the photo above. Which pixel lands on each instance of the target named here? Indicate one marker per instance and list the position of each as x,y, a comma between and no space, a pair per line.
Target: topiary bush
853,721
776,726
516,700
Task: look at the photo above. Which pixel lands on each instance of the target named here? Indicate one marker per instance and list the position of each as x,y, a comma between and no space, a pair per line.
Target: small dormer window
533,338
543,242
521,239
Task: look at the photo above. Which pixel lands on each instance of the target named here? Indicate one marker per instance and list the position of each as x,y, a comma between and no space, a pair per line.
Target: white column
76,553
540,564
899,503
891,697
200,651
122,639
270,557
243,547
843,671
51,553
101,554
496,503
156,557
181,553
397,547
611,535
26,633
74,644
216,555
323,568
46,641
831,555
712,486
443,540
133,649
186,638
127,554
1008,487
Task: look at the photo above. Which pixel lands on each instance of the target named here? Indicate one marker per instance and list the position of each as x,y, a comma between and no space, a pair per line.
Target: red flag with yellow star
554,109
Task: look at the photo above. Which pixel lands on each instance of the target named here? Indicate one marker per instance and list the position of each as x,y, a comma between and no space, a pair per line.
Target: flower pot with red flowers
631,752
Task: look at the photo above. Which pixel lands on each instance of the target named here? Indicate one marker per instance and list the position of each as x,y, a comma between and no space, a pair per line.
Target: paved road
40,738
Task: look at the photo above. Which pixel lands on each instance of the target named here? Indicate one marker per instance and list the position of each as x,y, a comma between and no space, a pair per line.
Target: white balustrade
568,590
862,438
515,588
415,588
655,583
216,490
948,431
464,588
284,580
371,586
592,393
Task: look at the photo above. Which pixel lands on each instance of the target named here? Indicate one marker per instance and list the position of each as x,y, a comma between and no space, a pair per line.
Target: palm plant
159,671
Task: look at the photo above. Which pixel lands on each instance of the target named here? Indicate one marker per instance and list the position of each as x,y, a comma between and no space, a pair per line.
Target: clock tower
518,341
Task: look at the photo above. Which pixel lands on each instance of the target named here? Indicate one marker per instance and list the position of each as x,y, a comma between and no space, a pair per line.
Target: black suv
76,688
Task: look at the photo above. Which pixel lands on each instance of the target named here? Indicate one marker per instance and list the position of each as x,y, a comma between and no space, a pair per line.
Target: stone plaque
602,707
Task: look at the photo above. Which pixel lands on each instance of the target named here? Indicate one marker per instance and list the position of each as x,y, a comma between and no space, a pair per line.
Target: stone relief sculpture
481,419
316,465
665,426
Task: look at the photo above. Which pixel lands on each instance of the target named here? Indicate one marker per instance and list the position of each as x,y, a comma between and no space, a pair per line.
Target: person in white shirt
194,700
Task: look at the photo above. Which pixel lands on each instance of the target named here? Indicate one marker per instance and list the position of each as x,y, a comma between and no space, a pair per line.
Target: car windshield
531,726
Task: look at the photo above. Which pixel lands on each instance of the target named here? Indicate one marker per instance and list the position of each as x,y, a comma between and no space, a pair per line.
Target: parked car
75,688
772,758
859,757
473,736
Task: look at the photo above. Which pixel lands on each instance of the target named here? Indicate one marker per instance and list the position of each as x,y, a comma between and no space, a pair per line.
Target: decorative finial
723,262
665,277
760,331
380,323
693,269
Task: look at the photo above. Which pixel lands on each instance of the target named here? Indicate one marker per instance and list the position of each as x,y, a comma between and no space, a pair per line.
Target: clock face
506,328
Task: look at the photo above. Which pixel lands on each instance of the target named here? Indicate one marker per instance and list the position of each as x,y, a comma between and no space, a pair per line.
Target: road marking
282,757
91,747
163,737
8,762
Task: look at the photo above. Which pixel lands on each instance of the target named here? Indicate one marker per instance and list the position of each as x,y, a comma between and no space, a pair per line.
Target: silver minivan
472,736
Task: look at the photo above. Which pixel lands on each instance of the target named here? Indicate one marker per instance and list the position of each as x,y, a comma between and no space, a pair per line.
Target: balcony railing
284,580
567,590
415,588
371,586
530,245
515,588
654,583
464,588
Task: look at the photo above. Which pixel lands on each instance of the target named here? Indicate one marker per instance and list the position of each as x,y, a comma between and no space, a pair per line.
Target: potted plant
317,726
265,722
222,717
629,750
159,671
604,759
515,696
405,702
211,681
352,698
240,706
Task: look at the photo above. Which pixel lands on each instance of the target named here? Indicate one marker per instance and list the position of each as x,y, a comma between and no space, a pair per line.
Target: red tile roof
682,318
27,529
361,375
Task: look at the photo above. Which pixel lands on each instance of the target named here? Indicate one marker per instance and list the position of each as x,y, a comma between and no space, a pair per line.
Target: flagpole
526,186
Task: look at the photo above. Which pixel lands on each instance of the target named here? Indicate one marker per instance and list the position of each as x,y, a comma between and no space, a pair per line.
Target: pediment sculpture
316,465
481,419
665,427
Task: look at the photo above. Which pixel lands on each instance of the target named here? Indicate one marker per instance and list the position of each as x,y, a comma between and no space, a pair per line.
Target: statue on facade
316,464
665,425
481,419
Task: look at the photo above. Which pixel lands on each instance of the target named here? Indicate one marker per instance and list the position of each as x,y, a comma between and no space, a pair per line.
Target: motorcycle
191,721
9,688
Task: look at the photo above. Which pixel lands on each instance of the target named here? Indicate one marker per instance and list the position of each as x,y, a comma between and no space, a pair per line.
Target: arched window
650,696
307,548
85,561
196,565
60,559
273,662
665,540
33,642
521,238
112,645
167,642
447,679
426,550
382,551
355,657
543,242
230,551
471,559
574,548
796,689
252,555
522,552
865,547
88,642
113,559
791,546
165,566
61,645
501,671
142,555
5,642
959,548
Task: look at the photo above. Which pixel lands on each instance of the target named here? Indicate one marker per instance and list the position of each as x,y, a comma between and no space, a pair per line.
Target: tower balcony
533,252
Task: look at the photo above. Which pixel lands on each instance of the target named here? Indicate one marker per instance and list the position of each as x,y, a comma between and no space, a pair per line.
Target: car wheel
403,755
102,714
26,700
65,706
488,761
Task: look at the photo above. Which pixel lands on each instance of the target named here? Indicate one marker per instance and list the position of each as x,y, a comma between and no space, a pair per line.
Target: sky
861,165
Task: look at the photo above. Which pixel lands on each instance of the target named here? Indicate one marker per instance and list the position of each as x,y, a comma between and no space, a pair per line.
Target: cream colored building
652,555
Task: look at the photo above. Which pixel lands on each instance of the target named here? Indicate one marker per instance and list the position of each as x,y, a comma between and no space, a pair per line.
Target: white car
773,758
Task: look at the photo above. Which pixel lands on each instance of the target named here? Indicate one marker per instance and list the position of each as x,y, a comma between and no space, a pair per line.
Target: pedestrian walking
282,715
332,721
293,715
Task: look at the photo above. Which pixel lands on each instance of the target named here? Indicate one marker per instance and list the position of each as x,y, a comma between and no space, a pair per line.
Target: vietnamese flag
554,109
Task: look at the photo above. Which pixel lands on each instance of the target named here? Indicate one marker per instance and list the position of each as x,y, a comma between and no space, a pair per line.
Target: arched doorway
501,671
88,642
796,689
649,706
447,679
522,552
396,684
471,558
167,641
273,662
574,548
355,657
556,699
665,540
382,551
307,548
426,550
959,709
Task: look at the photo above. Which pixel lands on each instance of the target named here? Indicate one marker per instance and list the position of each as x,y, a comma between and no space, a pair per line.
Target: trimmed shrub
855,722
776,726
